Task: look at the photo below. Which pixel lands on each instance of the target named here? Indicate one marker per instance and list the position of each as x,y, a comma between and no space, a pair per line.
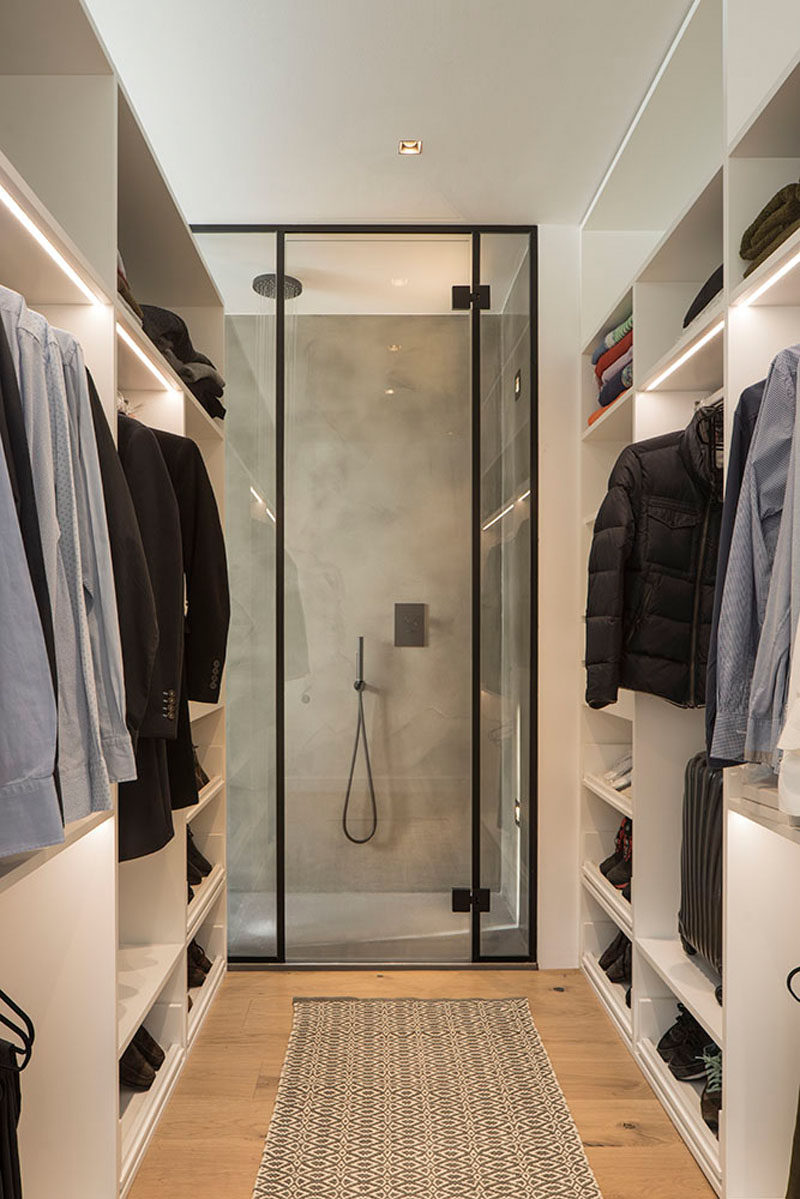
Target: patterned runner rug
420,1099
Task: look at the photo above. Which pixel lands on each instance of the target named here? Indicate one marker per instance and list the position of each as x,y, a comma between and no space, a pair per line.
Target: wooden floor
210,1141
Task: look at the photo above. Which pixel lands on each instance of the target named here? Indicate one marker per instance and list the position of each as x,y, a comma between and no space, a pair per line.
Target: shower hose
361,731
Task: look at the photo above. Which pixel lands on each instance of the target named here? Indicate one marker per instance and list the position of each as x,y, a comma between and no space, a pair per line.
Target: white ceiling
291,110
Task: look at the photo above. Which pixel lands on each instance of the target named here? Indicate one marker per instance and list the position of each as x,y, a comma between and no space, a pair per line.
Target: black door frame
474,231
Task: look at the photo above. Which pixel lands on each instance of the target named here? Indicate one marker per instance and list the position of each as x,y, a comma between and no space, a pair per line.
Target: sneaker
610,955
677,1033
711,1099
620,970
149,1048
135,1072
686,1063
619,849
621,873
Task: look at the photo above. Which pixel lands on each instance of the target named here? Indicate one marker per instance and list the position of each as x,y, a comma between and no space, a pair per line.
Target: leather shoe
135,1072
149,1048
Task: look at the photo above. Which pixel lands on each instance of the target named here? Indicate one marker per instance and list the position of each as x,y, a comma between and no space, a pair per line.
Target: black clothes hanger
27,1036
789,980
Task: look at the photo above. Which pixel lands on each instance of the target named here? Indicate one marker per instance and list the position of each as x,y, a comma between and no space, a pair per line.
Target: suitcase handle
789,980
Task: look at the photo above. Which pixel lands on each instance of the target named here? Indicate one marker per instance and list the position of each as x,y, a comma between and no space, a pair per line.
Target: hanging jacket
82,770
98,573
750,563
652,568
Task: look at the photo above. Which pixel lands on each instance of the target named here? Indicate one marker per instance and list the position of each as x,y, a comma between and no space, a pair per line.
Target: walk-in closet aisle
654,236
89,949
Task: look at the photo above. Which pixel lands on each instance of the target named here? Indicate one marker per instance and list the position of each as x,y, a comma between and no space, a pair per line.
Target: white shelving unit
655,234
90,948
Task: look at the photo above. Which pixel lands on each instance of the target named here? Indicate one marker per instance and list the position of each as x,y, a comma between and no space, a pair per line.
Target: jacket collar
697,449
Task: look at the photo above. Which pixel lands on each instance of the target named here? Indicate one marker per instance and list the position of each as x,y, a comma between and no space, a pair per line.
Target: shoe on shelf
190,893
189,1003
197,859
686,1063
198,955
677,1033
711,1098
628,997
149,1048
619,849
135,1072
612,952
621,873
200,776
194,875
626,892
621,767
195,977
620,970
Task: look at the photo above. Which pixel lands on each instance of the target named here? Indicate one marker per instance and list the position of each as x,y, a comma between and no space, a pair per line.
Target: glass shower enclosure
381,513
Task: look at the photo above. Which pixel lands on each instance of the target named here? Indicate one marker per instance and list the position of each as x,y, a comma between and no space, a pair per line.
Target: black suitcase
700,916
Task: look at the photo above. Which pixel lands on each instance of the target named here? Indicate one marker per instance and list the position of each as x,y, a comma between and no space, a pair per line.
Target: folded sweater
615,386
610,371
612,338
616,351
778,219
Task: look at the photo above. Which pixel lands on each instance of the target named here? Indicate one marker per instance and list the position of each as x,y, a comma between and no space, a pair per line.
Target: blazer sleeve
208,607
136,606
159,524
614,533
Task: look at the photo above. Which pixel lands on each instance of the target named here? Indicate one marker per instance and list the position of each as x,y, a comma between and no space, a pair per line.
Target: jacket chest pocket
673,533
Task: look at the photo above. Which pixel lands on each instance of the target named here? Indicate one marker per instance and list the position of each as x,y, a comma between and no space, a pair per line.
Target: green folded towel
777,220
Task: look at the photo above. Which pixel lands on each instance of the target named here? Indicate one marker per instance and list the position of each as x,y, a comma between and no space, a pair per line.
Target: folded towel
615,386
777,220
612,338
712,287
616,351
618,365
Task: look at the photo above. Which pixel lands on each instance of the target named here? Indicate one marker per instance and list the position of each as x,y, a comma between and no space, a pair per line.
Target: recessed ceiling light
399,282
410,146
394,347
388,391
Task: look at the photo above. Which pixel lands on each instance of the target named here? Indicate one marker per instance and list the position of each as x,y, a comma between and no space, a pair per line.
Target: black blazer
208,607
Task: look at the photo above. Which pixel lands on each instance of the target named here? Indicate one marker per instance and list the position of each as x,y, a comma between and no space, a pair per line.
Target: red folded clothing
598,412
614,353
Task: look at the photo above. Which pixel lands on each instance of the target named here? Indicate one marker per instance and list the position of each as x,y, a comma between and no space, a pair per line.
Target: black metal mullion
280,711
533,735
475,331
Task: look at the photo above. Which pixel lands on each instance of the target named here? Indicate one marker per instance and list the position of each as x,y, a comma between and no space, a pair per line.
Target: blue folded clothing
615,386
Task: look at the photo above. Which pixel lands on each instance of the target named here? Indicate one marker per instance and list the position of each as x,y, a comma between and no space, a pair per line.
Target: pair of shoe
621,773
618,867
140,1061
198,867
616,961
198,965
693,1057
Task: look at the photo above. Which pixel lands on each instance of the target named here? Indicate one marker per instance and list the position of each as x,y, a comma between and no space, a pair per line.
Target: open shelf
621,800
198,710
204,895
616,423
209,792
142,972
701,370
18,866
608,897
611,995
786,290
688,980
203,996
681,1101
140,1111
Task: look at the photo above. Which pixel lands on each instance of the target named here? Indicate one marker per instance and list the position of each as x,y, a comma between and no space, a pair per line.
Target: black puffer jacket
652,568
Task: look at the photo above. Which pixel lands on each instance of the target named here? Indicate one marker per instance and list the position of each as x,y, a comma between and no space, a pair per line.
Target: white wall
559,586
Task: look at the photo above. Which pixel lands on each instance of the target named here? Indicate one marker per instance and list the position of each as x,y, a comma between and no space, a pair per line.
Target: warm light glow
770,281
58,258
399,282
394,347
151,366
690,353
410,146
259,500
506,510
388,391
524,496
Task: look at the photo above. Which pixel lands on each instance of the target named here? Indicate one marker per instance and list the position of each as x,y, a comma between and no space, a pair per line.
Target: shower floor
375,927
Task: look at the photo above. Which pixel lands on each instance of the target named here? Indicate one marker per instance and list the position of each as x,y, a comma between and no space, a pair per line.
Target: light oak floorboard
210,1140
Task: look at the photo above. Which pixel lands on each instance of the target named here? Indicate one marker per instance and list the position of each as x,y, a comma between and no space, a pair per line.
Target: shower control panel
410,624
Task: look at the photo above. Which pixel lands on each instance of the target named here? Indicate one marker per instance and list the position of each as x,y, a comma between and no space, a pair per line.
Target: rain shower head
267,286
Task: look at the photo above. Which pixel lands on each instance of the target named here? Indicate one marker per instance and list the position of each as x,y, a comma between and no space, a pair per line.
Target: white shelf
140,1112
620,312
688,981
204,895
616,423
209,792
608,897
703,370
202,997
681,1101
611,995
623,709
142,971
621,800
779,823
18,866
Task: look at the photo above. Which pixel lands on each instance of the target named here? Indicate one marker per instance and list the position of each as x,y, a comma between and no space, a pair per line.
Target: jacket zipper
698,586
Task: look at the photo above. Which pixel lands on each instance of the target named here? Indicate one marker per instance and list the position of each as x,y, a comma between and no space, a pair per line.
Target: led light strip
686,355
770,282
151,366
260,500
505,511
58,258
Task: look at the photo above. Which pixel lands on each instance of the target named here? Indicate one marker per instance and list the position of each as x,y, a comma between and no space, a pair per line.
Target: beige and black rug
420,1099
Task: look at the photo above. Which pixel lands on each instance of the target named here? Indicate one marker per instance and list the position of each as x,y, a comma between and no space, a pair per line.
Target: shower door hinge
465,297
464,900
